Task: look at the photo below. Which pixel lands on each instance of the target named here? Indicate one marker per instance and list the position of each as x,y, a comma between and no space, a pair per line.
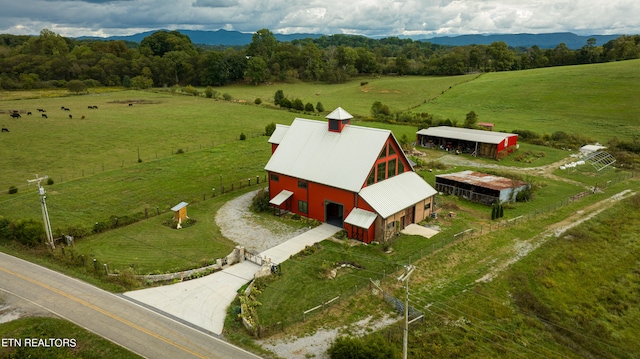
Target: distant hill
217,37
550,40
236,38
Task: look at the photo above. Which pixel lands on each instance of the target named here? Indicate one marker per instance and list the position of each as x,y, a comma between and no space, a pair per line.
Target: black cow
41,110
130,104
29,113
45,115
15,115
4,129
70,116
66,109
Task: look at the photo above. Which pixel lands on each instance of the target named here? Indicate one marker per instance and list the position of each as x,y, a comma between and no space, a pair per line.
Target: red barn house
354,177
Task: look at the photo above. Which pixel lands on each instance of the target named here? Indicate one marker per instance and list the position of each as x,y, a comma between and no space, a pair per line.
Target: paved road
132,326
203,302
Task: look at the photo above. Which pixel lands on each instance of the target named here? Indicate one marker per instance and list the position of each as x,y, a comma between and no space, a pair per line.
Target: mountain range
236,38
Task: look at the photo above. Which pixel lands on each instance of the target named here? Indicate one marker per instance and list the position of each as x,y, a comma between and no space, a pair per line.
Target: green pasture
599,100
114,135
144,188
572,297
399,93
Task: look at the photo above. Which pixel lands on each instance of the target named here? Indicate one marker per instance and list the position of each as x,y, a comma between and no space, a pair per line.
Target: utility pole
405,278
45,213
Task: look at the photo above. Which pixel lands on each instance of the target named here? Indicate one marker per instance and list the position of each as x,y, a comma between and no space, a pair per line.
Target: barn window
384,152
274,177
391,150
381,171
372,178
400,167
427,205
303,207
391,169
333,126
302,184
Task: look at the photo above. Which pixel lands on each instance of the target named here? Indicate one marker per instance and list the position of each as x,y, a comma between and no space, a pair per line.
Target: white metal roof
179,206
360,218
397,193
281,197
339,114
466,134
309,151
279,132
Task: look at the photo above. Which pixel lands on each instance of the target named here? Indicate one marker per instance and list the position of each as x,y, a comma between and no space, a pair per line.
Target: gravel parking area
237,223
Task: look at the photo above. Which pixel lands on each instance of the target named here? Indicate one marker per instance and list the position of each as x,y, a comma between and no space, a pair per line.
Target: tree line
168,58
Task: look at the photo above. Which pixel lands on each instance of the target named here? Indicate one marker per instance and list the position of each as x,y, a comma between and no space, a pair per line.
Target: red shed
475,142
327,170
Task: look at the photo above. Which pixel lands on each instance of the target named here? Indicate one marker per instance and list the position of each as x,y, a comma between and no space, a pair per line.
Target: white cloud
367,17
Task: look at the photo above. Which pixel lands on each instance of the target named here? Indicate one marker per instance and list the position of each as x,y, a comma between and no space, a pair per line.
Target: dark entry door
334,213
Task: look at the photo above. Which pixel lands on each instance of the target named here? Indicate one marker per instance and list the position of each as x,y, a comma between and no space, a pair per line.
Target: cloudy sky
364,17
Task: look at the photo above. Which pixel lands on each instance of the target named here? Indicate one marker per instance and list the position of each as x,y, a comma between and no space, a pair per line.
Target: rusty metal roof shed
483,180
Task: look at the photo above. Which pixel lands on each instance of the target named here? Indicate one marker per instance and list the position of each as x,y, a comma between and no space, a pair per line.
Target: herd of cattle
17,113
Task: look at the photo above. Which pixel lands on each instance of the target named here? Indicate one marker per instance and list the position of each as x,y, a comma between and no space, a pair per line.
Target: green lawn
594,100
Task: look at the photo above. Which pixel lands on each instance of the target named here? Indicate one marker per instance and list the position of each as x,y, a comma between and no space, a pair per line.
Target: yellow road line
91,306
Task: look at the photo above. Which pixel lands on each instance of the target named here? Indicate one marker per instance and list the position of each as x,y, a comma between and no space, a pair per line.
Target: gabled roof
339,159
397,193
278,133
466,134
360,218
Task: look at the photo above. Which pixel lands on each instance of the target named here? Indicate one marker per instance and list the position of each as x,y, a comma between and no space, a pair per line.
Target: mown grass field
598,101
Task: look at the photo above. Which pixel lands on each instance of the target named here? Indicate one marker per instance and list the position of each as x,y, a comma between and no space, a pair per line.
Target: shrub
227,97
319,107
260,202
243,136
297,104
372,347
308,107
179,151
257,101
13,189
49,181
270,129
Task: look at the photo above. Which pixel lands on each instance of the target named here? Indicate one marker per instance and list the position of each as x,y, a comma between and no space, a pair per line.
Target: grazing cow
70,116
4,129
41,110
62,107
90,107
130,104
66,109
29,113
15,115
45,115
82,118
96,107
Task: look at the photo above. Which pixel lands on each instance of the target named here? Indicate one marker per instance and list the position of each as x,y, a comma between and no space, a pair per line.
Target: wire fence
137,157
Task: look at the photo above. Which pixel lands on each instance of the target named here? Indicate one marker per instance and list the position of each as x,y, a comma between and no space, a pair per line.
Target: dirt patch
316,345
12,308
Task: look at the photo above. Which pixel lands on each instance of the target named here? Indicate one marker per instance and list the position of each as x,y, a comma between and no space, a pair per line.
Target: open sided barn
480,187
354,177
465,140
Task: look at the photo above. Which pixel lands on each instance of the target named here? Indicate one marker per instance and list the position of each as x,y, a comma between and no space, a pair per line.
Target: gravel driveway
237,223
